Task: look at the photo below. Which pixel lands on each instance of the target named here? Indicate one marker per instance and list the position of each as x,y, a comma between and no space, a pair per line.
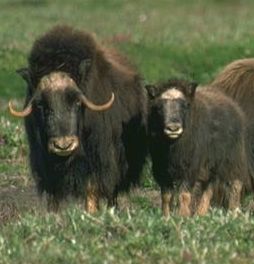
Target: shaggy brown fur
208,150
112,144
237,81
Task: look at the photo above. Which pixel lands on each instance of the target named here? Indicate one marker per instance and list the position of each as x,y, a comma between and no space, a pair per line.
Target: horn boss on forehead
61,80
172,93
56,81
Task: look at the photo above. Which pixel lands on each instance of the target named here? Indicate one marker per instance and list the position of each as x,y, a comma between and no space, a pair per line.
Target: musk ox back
196,141
85,118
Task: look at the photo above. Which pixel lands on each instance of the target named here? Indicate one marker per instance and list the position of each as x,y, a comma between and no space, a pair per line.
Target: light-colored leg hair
205,200
184,203
234,198
196,194
91,199
166,196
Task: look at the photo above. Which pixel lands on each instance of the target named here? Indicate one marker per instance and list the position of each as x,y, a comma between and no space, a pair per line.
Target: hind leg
234,198
185,203
196,194
52,203
205,201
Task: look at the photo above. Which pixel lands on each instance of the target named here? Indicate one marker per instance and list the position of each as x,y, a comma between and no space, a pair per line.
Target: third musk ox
85,118
197,142
236,80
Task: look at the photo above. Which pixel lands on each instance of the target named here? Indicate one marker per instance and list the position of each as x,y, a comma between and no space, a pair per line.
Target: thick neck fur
213,136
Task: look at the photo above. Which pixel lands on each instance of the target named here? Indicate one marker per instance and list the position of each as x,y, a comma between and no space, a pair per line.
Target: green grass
189,38
139,236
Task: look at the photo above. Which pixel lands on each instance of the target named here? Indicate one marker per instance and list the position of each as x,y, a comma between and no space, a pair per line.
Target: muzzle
173,130
63,146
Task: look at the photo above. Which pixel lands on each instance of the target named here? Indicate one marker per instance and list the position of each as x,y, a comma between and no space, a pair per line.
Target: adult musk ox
237,81
196,140
85,118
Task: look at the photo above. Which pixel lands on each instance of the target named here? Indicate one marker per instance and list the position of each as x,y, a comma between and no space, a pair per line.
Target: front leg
91,198
112,201
166,196
52,203
184,201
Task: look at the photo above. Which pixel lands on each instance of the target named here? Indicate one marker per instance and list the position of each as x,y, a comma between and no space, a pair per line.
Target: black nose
62,145
173,127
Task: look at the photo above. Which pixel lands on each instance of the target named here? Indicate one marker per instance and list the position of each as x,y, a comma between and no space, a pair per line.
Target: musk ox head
57,102
170,105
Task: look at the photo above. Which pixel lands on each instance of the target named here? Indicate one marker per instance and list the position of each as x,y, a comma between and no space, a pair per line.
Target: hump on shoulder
219,104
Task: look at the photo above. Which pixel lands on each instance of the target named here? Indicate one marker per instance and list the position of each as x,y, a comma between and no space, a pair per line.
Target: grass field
164,38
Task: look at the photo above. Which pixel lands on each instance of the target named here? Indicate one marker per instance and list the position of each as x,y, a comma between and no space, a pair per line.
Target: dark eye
184,104
72,98
39,105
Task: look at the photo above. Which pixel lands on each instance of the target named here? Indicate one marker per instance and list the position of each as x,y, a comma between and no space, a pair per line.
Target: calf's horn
96,107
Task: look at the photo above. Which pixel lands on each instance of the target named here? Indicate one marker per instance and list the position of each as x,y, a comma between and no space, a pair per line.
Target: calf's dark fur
197,142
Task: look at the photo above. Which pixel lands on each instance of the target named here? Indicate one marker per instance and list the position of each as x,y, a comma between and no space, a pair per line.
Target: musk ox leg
166,196
91,198
112,201
205,200
52,203
91,204
234,199
196,194
184,203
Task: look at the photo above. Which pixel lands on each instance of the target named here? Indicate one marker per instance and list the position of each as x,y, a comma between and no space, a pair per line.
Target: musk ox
85,118
196,141
237,81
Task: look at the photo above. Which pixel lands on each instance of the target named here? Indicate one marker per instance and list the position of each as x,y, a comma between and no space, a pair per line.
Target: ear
192,89
25,74
84,66
151,90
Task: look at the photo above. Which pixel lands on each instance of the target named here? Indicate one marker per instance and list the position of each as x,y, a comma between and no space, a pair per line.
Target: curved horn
95,107
28,109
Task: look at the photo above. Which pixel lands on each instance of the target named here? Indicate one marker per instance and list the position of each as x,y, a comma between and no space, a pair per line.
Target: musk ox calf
236,80
85,118
196,141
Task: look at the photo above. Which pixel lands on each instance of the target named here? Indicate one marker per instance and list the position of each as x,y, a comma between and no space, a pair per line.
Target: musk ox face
57,103
174,106
170,107
58,106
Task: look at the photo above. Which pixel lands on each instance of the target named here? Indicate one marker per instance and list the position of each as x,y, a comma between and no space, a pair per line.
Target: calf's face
171,108
174,109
